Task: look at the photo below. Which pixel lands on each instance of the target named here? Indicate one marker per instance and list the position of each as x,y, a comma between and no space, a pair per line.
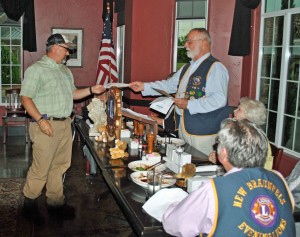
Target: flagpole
109,66
107,71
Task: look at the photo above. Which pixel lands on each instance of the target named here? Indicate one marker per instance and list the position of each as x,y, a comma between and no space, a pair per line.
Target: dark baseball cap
58,39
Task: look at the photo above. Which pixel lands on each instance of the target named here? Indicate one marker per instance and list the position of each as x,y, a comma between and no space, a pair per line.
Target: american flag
107,68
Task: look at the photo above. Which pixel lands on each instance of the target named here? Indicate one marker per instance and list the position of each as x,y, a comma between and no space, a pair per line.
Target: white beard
192,53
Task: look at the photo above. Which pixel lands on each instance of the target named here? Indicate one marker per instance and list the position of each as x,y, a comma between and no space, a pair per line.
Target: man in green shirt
47,93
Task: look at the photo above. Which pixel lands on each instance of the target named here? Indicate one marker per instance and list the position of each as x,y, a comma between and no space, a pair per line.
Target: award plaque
114,114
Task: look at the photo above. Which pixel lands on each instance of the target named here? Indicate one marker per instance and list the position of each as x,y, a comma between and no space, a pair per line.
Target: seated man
247,201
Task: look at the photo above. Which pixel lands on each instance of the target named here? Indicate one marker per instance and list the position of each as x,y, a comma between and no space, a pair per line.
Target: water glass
154,180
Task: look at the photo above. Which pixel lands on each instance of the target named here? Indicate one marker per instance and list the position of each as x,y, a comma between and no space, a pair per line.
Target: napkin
206,168
160,201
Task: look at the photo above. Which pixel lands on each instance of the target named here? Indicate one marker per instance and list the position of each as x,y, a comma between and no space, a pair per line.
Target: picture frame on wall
74,36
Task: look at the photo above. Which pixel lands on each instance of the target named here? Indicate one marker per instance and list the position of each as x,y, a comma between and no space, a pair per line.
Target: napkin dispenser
133,144
194,183
125,133
170,149
185,158
172,165
171,153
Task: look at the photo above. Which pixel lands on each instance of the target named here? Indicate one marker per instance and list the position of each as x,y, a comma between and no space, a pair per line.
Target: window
278,76
189,14
11,54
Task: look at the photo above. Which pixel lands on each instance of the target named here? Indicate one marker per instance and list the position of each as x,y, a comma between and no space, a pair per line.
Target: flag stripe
107,67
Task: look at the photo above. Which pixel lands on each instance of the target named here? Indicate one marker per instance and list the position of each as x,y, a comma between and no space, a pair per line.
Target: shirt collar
233,170
51,61
200,60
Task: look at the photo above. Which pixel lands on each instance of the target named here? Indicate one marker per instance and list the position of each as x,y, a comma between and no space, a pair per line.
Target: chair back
277,154
13,104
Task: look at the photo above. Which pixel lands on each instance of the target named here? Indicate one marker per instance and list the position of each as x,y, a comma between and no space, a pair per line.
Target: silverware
155,165
174,178
169,175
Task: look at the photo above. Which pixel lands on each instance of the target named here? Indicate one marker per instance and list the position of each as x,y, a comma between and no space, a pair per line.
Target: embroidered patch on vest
264,211
196,81
192,93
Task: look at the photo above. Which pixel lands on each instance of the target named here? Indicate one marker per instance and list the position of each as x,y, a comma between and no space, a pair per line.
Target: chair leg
5,125
4,132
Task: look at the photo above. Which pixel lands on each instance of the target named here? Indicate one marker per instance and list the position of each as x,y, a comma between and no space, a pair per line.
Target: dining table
129,196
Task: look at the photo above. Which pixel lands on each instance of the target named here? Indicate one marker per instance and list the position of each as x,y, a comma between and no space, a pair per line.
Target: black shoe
31,211
64,212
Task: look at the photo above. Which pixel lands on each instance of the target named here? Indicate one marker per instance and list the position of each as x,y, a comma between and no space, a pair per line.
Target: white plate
176,141
138,176
144,164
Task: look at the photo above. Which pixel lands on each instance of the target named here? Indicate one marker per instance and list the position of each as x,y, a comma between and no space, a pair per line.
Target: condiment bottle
135,128
141,132
150,143
141,129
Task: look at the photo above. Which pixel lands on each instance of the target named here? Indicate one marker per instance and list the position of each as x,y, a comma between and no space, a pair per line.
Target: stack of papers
119,85
137,114
162,104
159,202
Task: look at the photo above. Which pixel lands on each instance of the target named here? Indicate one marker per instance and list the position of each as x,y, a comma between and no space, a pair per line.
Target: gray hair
204,32
246,144
255,110
48,48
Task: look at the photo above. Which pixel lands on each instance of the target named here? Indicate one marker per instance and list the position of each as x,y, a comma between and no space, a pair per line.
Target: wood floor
97,213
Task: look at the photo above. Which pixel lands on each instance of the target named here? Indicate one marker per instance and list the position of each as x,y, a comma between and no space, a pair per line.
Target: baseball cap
58,39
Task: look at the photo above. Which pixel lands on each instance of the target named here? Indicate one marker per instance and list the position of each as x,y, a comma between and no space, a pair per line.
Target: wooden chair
277,154
283,163
15,114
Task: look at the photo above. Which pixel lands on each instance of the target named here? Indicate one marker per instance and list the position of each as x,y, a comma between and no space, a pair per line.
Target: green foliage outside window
11,70
182,58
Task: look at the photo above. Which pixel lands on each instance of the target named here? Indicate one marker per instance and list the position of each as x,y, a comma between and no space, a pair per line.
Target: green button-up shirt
51,86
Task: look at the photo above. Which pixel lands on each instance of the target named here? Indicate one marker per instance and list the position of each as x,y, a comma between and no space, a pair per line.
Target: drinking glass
154,180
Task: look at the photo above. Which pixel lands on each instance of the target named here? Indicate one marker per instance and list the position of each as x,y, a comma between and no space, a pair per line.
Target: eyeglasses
66,48
188,41
215,146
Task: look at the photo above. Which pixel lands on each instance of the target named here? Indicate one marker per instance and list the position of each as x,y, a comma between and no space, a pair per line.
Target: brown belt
58,119
54,119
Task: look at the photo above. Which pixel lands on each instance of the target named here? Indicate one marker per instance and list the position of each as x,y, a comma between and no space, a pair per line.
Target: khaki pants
51,159
202,143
